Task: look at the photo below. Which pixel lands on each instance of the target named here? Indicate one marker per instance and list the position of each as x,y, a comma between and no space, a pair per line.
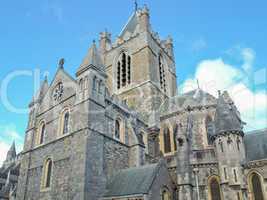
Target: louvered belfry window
124,70
162,74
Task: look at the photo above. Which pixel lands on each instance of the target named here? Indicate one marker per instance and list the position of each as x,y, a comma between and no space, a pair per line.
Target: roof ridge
256,131
126,24
140,167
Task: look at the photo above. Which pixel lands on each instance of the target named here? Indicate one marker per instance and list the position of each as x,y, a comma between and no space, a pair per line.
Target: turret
228,141
91,60
144,19
169,46
43,89
105,42
91,75
184,171
36,101
11,154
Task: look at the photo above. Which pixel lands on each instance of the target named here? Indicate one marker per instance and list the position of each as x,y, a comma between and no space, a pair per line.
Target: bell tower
140,66
229,146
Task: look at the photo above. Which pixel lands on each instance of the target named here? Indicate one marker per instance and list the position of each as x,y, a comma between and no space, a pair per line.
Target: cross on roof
136,5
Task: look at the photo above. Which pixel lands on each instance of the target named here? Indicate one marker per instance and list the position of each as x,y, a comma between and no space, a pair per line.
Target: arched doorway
214,188
255,185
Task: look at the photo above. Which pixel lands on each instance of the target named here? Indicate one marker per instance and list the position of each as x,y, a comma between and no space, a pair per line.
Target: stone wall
116,156
67,154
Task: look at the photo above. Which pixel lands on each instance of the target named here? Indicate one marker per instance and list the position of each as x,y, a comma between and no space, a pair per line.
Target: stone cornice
185,110
211,164
256,163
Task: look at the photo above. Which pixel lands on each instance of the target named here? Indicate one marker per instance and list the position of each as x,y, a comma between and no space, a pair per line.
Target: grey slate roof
193,98
132,181
200,97
227,117
256,145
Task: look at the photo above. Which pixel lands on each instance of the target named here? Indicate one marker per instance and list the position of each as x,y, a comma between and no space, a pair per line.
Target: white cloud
214,75
3,150
252,105
8,134
248,56
10,131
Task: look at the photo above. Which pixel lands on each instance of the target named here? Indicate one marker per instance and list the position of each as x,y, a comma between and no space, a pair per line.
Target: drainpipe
195,170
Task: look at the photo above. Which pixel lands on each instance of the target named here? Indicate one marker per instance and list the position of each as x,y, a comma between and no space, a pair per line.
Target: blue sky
212,38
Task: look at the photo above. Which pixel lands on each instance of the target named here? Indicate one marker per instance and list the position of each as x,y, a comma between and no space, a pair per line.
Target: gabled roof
61,71
45,86
130,26
256,145
132,181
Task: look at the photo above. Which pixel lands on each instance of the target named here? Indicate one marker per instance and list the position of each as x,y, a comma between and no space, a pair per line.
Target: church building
119,130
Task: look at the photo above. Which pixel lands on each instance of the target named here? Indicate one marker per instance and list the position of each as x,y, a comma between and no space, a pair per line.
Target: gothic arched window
119,75
81,84
47,173
86,82
41,133
94,83
209,129
123,70
214,189
100,84
256,187
31,118
129,70
167,140
238,144
66,123
162,74
175,133
117,129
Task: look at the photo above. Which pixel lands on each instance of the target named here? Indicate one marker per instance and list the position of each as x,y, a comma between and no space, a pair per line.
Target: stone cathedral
118,130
